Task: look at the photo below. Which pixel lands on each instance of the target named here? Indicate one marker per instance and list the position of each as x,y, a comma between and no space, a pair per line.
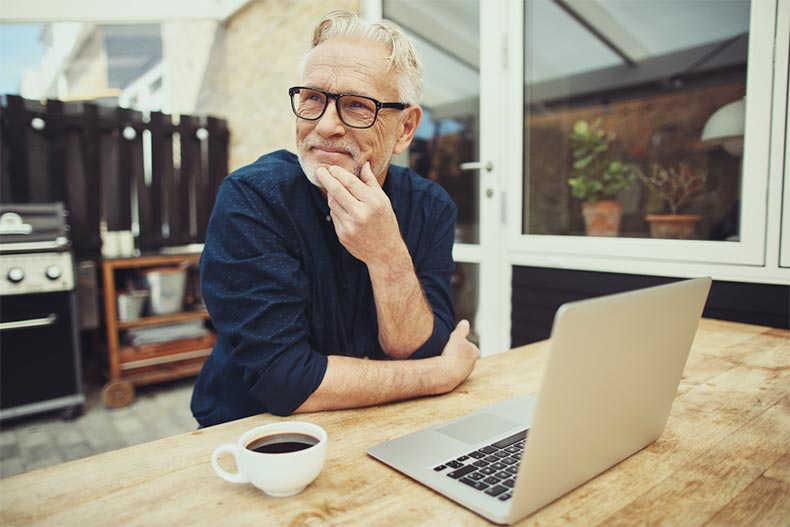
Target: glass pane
466,296
635,102
448,40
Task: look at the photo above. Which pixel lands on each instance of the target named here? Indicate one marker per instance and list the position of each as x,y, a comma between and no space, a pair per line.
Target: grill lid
32,226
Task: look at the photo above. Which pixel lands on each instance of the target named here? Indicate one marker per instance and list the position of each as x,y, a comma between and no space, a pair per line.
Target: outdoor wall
254,59
86,74
186,48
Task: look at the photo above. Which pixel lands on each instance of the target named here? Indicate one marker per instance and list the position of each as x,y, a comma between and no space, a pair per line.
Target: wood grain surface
724,459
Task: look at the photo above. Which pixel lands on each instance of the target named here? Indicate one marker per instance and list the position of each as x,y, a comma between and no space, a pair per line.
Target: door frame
492,318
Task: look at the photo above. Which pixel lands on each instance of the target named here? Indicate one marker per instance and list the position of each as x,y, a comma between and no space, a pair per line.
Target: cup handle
227,476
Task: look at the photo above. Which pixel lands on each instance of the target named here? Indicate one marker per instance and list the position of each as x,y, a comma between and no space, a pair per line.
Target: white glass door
458,145
666,86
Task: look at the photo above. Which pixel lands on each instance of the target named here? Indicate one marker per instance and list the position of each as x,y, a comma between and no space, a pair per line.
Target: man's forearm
404,316
353,383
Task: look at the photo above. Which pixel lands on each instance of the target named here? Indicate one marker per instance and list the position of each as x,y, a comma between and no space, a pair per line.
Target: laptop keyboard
490,469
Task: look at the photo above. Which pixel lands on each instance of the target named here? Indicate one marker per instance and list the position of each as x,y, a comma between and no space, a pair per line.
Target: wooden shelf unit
131,366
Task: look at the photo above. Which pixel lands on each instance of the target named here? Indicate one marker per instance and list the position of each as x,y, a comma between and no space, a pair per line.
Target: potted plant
595,176
673,185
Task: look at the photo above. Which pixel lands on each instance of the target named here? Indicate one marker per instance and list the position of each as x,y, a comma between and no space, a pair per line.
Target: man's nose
330,124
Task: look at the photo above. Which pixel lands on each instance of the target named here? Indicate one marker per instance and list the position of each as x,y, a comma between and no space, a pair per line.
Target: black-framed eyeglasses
356,111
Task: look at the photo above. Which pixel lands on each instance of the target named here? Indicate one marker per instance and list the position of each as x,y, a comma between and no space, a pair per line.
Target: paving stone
76,451
8,437
36,453
33,436
43,463
10,450
69,436
11,467
34,442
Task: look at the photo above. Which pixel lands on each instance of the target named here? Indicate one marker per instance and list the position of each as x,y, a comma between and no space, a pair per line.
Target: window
636,102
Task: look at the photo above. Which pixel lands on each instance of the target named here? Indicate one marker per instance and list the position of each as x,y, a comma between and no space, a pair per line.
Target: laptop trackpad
477,427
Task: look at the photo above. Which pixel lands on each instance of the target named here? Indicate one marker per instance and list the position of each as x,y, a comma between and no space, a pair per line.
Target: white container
131,304
166,287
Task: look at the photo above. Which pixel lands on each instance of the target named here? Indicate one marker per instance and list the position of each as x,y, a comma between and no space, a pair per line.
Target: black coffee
282,443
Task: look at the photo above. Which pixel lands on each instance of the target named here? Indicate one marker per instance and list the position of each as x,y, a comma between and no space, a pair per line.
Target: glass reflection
641,98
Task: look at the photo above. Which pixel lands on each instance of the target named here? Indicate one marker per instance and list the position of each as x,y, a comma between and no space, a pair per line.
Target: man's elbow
401,350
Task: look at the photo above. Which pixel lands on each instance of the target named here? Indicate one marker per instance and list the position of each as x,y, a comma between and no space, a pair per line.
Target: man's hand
367,227
362,214
353,383
459,357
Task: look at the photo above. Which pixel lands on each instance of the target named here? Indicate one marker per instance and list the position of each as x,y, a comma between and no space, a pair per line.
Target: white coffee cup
125,243
110,247
277,474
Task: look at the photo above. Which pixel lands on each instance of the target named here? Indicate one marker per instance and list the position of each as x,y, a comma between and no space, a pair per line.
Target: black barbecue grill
40,367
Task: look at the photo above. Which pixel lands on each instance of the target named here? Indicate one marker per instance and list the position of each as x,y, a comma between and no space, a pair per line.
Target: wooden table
723,459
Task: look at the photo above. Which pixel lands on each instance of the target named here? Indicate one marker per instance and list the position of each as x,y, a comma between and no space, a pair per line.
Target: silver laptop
612,372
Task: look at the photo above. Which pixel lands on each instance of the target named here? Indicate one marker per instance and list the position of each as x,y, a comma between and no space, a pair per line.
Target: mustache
337,144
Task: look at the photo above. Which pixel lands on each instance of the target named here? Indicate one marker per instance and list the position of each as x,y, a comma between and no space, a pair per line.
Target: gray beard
309,167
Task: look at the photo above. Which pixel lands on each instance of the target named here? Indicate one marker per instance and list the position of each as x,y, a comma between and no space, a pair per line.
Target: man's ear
407,128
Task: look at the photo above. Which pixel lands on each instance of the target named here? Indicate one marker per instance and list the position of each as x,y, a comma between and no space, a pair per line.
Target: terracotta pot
673,226
602,218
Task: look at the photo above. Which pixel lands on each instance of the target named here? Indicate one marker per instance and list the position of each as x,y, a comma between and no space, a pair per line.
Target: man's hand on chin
363,217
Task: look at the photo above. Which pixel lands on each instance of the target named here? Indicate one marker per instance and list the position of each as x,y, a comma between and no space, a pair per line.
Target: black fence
112,165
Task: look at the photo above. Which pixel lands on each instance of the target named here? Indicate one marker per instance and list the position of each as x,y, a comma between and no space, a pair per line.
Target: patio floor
35,442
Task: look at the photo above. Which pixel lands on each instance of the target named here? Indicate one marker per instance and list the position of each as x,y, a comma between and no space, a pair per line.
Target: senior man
315,263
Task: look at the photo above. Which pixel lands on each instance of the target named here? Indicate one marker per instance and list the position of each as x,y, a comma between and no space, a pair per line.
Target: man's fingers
367,176
462,329
330,184
356,188
336,191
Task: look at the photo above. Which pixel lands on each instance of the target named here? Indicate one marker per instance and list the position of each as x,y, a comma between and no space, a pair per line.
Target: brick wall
662,128
254,59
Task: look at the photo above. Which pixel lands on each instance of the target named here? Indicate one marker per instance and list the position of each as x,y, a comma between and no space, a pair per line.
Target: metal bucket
131,304
166,286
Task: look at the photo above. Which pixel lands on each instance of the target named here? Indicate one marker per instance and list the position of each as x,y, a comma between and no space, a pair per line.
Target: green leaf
583,163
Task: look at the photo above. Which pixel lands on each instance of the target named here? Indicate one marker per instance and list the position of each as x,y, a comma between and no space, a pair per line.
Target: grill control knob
15,275
53,272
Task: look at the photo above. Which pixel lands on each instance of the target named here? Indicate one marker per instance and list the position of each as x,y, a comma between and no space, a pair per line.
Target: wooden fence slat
17,123
158,188
217,157
73,170
147,239
204,201
55,133
116,195
5,167
185,232
177,229
37,153
90,236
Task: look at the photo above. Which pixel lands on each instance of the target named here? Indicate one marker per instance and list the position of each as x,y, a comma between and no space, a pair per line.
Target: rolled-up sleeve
433,260
257,294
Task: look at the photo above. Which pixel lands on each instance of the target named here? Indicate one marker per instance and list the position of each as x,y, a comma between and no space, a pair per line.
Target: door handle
477,165
30,323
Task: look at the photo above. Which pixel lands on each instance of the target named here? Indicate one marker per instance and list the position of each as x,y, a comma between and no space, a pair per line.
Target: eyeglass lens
353,110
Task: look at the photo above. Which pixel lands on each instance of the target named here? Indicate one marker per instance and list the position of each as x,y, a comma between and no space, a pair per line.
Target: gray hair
403,59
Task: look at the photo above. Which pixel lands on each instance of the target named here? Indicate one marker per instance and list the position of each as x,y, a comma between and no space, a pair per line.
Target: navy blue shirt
283,293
